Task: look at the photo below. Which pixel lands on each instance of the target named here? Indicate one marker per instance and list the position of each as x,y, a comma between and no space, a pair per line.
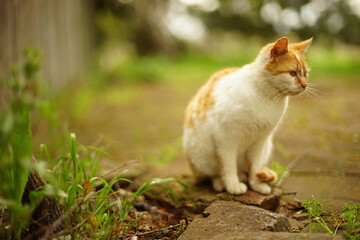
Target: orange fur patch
204,99
267,175
291,61
264,177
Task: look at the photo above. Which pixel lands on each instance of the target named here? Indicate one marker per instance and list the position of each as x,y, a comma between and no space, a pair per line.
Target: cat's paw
261,187
218,184
236,188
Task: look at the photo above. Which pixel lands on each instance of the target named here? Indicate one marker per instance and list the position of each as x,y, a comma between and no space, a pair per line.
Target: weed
91,208
351,213
21,95
350,218
315,212
103,212
279,169
181,227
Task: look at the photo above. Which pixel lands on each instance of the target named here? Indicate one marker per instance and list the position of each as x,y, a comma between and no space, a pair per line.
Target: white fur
238,130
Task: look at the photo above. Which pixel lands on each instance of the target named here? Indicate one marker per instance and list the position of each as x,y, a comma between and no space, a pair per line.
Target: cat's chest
248,113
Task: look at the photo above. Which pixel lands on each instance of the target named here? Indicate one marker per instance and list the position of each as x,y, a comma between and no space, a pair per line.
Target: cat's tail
267,175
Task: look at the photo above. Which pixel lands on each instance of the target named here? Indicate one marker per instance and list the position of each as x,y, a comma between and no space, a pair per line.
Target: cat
230,122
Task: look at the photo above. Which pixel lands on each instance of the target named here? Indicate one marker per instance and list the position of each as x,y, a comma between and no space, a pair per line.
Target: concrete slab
273,235
223,217
332,191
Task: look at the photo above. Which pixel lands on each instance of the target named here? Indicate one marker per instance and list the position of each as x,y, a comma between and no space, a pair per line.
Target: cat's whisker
278,94
312,90
278,97
283,93
316,92
310,95
272,94
312,84
313,93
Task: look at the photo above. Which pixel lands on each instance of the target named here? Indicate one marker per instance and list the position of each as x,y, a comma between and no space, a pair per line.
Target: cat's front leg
226,157
258,155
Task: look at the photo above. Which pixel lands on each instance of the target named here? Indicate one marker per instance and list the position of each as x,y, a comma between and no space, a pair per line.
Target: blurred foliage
144,41
351,213
330,19
171,26
23,93
87,201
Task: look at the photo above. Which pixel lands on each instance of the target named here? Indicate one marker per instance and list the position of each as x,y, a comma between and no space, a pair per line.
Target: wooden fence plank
61,28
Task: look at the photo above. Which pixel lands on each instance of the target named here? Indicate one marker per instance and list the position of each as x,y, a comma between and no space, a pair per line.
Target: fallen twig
289,193
154,231
109,175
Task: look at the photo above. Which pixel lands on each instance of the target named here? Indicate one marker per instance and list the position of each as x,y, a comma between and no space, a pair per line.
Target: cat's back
204,100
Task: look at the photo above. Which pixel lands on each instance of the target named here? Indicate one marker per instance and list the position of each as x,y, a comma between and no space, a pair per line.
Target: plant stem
323,223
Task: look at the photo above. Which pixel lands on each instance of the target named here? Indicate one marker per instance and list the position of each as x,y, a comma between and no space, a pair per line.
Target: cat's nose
303,85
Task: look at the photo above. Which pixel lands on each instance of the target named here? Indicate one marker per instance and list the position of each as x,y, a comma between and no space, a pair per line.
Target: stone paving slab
272,236
236,221
233,217
331,191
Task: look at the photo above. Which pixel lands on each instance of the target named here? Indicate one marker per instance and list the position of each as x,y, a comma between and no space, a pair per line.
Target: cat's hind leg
218,184
202,162
199,176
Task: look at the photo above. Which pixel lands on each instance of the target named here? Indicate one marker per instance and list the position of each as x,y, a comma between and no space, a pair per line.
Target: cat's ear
303,46
280,48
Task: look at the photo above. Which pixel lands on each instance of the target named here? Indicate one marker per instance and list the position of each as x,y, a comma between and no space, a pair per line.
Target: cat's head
285,65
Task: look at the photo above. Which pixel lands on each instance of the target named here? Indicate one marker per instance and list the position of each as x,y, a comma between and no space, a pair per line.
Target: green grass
349,219
101,213
16,138
97,213
315,212
197,67
351,215
90,207
116,79
343,64
323,62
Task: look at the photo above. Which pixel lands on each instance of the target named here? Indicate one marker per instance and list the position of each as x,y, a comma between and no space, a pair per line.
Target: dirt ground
321,131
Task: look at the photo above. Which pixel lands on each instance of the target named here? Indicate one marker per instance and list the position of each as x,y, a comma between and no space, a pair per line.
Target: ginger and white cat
230,123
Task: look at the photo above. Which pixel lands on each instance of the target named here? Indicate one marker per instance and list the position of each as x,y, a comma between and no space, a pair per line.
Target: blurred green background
142,60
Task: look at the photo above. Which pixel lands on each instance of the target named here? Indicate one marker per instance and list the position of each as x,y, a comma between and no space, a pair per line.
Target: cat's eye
292,73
